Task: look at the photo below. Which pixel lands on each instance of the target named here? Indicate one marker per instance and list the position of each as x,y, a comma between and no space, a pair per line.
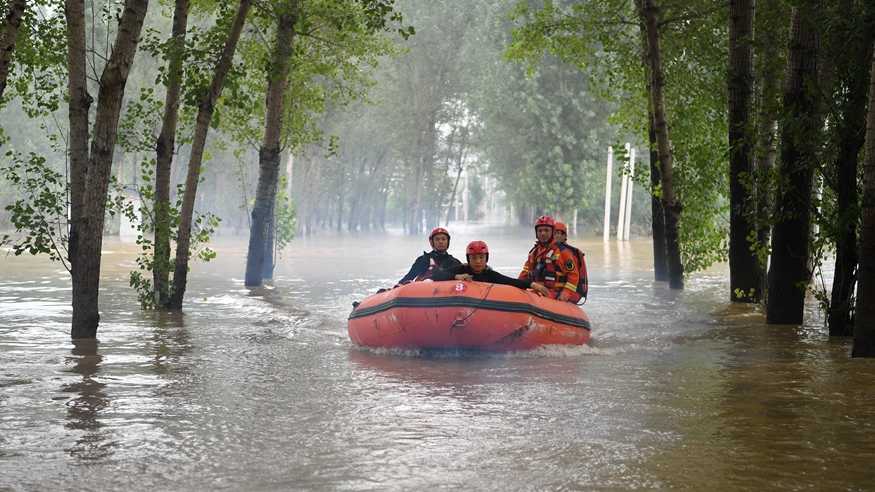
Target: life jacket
547,268
433,265
583,282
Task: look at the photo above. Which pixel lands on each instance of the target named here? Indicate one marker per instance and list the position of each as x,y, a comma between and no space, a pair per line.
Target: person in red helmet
552,263
477,269
436,260
560,231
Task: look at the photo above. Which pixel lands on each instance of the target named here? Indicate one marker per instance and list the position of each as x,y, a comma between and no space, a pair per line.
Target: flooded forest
195,194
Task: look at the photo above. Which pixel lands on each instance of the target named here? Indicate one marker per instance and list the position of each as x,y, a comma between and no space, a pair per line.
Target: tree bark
86,272
270,243
769,74
864,323
850,135
8,35
206,107
657,214
269,154
649,13
744,273
164,150
789,271
78,109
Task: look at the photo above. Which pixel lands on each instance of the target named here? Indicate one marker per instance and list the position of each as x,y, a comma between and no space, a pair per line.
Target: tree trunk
851,135
744,273
78,109
269,154
8,35
789,273
416,210
769,75
657,214
460,166
164,154
649,13
270,243
341,197
202,123
864,324
86,272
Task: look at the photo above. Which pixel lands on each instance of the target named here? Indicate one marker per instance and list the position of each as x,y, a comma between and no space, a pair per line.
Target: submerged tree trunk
8,35
204,115
851,135
260,251
864,323
164,149
789,272
744,273
78,108
649,13
769,73
270,244
93,194
657,214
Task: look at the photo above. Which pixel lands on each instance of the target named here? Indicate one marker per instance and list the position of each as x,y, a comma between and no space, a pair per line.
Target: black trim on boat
514,307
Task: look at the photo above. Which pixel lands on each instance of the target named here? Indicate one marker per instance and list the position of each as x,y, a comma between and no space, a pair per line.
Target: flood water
257,390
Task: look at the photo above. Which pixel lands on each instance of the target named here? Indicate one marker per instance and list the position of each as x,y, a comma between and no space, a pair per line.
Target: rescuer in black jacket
434,261
476,269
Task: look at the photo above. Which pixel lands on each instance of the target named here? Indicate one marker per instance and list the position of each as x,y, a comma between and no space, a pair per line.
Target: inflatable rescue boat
465,315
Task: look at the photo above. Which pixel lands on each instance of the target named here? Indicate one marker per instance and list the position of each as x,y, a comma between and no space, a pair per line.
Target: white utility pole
621,218
574,223
607,222
629,195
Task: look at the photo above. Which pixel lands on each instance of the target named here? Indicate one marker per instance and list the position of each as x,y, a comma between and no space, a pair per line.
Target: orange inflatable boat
465,315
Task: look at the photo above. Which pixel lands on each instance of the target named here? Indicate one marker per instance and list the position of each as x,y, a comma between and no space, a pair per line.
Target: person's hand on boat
540,289
564,295
464,276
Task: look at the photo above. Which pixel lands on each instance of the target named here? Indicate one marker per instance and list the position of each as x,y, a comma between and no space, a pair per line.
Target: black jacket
444,261
488,275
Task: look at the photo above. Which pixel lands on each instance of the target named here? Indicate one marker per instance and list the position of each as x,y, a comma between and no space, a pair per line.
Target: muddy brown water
262,390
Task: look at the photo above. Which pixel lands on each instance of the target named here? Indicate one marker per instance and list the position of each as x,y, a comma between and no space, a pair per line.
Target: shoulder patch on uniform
569,265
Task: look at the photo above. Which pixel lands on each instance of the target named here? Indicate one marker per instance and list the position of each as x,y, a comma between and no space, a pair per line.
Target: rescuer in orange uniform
560,232
552,264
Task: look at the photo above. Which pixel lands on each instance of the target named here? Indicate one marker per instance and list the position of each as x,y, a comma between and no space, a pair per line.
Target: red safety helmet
560,226
476,248
435,232
545,220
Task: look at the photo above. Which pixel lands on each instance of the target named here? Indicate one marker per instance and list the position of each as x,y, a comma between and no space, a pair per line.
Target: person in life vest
437,259
552,263
560,232
477,254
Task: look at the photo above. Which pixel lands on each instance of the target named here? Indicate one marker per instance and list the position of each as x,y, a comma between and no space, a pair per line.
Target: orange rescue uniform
556,267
